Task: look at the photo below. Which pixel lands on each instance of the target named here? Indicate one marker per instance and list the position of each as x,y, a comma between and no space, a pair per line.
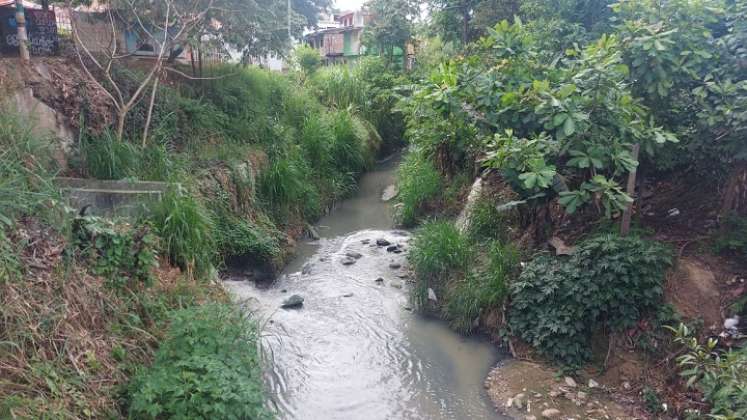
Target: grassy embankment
95,321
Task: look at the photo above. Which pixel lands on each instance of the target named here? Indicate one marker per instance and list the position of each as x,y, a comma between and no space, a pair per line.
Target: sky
348,4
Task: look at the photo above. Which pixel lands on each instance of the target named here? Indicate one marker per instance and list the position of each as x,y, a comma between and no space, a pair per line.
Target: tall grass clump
208,366
348,150
285,189
239,237
26,169
105,157
487,222
439,254
186,231
484,287
419,184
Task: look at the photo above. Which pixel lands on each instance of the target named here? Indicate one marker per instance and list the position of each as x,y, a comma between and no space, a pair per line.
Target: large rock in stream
295,301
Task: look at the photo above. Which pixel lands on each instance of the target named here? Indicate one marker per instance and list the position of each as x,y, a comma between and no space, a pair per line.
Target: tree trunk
150,109
630,190
192,60
735,196
465,23
121,117
23,45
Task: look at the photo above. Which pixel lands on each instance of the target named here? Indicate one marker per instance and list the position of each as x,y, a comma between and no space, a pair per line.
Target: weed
239,237
105,157
483,288
208,366
733,237
125,256
419,183
439,253
486,222
186,230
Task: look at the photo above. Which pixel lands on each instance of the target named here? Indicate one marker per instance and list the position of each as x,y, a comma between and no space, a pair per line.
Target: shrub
483,288
125,256
609,282
237,236
733,238
487,222
439,253
720,375
285,189
208,366
307,58
186,230
419,183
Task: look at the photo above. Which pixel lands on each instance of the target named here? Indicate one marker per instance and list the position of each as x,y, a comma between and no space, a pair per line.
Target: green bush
208,366
237,236
483,288
186,230
348,150
608,283
720,375
439,253
733,237
124,255
285,188
419,183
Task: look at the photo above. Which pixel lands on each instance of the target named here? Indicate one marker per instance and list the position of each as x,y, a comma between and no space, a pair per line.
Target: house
339,41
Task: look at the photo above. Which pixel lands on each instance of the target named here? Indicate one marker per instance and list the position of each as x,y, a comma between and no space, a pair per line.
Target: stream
355,349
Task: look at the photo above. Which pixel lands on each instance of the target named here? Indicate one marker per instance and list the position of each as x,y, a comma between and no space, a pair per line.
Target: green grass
208,366
186,231
419,185
483,288
487,222
439,254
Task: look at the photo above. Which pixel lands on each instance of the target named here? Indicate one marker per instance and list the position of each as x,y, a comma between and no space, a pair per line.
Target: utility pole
23,47
290,40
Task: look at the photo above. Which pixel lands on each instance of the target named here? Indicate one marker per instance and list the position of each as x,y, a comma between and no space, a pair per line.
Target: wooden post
630,190
23,46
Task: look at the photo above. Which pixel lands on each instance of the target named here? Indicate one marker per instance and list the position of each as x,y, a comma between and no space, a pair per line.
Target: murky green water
365,355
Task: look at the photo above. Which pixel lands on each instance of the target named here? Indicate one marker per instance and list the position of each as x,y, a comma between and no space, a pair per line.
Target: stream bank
355,349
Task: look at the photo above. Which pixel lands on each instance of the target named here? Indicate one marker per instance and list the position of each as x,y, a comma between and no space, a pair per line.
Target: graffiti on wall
41,26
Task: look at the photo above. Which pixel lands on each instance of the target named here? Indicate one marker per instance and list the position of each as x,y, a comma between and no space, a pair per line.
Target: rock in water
348,261
389,193
353,254
382,242
551,413
347,295
396,284
391,248
380,280
294,301
395,266
432,295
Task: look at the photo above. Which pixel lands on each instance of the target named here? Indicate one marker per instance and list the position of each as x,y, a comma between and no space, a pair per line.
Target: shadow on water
355,350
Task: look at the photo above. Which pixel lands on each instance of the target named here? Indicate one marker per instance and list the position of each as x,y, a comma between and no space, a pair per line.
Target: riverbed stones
570,382
389,192
391,248
379,280
295,301
551,413
382,242
396,284
593,384
347,295
348,261
353,254
395,265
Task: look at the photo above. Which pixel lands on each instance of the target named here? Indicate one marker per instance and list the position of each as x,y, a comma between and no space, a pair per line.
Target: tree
307,59
391,26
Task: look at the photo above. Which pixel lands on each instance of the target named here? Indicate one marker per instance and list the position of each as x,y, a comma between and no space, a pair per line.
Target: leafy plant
609,283
124,255
208,366
733,237
720,375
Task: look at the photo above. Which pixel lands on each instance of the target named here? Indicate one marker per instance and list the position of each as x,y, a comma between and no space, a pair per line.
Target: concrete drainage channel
111,198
